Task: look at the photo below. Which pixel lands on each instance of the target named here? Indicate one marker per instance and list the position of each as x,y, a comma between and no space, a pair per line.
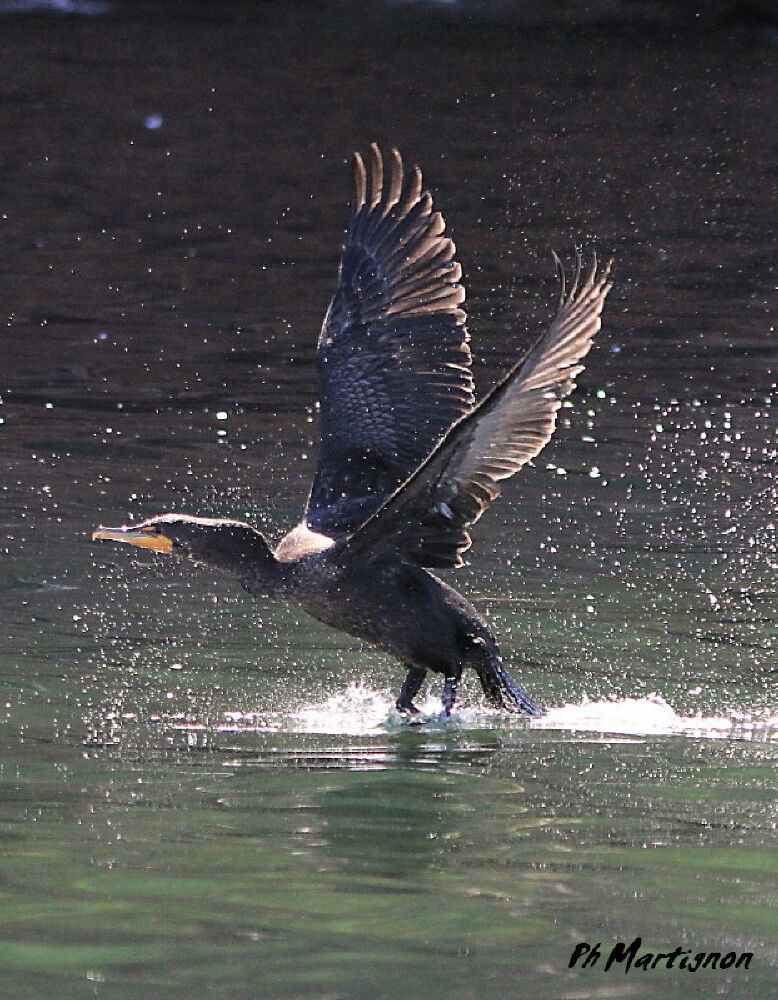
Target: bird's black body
407,462
440,630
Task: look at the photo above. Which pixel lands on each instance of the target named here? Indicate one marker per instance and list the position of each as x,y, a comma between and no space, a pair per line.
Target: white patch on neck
302,542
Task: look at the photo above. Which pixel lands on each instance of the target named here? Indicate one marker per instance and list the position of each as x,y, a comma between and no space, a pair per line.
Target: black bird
407,462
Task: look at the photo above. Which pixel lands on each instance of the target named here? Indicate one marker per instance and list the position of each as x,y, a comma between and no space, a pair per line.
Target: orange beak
143,538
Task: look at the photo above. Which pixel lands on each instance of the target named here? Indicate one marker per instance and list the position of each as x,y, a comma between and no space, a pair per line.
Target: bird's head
228,545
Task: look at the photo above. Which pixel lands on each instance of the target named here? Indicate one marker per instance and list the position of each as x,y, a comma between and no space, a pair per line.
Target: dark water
202,795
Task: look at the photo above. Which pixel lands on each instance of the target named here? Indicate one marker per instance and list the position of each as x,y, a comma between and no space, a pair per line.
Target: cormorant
407,461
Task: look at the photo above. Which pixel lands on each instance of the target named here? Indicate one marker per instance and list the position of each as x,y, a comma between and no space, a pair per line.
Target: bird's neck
261,573
241,551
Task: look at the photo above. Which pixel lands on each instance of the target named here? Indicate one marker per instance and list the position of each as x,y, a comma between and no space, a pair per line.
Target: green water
204,796
204,812
461,862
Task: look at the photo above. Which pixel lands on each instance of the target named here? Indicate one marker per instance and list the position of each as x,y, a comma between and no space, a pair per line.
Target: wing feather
394,360
428,517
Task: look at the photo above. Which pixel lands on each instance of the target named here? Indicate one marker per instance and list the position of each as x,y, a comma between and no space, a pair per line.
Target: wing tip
370,175
376,173
394,217
598,278
359,175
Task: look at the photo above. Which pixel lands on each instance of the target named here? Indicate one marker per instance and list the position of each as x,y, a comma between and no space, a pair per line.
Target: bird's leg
450,691
413,681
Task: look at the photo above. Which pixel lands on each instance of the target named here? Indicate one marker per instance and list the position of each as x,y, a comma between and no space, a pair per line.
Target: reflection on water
203,794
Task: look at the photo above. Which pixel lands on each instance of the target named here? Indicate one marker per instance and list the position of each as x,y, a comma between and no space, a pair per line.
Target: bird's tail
503,691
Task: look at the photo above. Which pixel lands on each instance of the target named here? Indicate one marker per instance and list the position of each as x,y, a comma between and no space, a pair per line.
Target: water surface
200,793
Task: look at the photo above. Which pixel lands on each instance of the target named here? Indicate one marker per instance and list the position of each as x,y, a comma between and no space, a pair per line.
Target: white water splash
357,710
650,716
364,711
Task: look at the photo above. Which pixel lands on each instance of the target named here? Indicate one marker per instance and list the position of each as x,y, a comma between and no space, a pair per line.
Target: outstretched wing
427,519
394,361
